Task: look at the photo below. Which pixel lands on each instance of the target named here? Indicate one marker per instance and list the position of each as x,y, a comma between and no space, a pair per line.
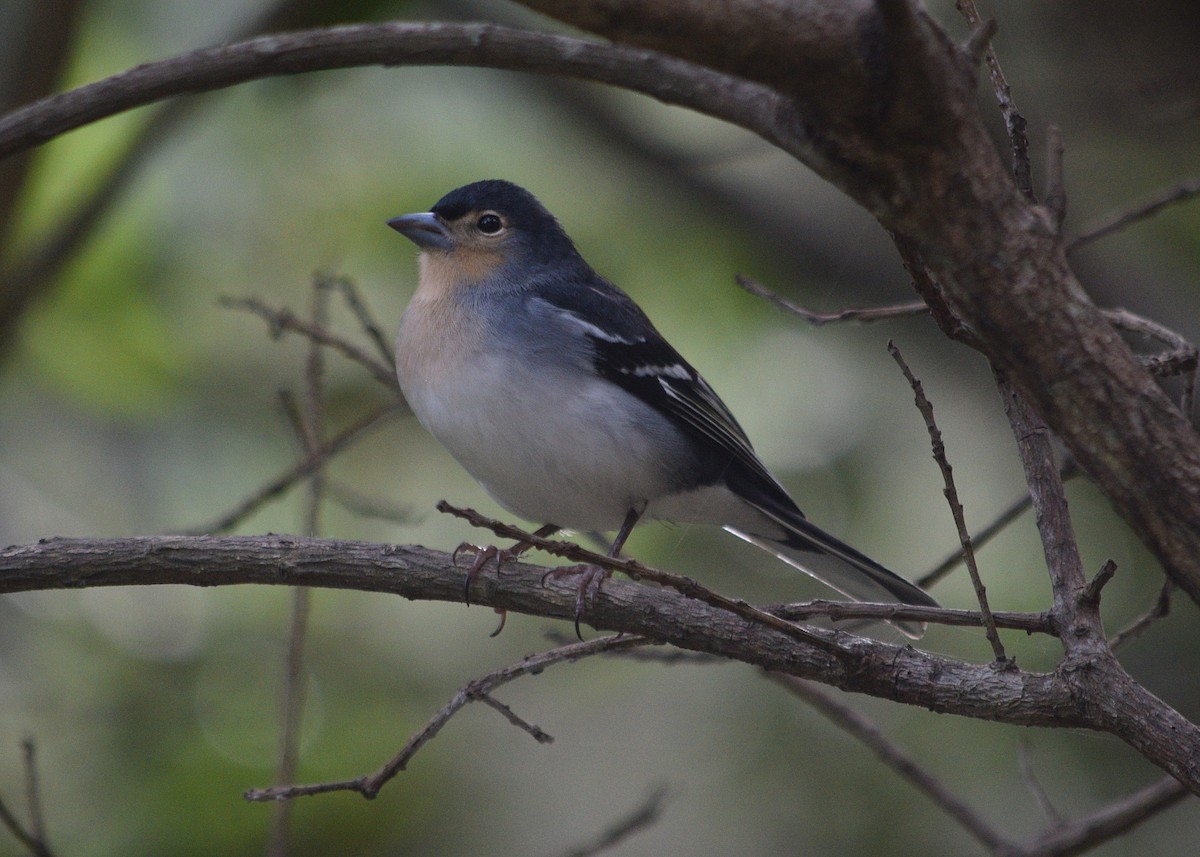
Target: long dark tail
836,564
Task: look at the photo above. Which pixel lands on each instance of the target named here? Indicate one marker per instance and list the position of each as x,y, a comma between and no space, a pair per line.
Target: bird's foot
482,555
590,579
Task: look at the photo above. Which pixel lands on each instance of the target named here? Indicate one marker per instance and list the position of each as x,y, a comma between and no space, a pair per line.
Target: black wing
631,353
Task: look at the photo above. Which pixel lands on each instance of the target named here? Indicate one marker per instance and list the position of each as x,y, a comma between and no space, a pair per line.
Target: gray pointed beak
426,230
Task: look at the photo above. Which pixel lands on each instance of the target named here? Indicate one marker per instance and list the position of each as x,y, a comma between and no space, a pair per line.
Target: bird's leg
592,576
483,554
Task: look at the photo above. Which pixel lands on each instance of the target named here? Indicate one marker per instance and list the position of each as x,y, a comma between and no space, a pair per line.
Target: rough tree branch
1096,695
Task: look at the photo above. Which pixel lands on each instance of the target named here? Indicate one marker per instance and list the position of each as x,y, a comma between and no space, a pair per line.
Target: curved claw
482,555
463,546
503,618
590,577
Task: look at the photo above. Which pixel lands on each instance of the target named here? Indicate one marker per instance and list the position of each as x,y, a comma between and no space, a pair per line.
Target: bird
555,391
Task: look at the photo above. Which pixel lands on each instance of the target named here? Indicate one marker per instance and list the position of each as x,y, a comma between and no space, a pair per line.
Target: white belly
547,449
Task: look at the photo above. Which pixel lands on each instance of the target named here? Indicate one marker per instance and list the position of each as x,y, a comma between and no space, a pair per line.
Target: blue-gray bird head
486,228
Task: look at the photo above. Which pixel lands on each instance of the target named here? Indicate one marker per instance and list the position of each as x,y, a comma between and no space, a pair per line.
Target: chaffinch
557,394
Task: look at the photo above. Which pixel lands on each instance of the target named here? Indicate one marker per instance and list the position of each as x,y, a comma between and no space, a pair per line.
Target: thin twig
536,732
291,708
683,585
866,314
1070,469
369,785
365,318
1181,358
1030,623
980,40
1180,193
643,816
1158,610
32,837
1123,319
1116,819
281,320
1079,622
898,760
1035,785
297,472
981,538
313,428
309,426
1013,120
956,510
33,792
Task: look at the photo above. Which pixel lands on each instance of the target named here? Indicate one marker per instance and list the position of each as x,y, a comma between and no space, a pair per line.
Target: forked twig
365,318
280,320
1013,120
370,784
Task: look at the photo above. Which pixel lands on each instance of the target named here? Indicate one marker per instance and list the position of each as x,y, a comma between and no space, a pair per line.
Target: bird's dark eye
489,223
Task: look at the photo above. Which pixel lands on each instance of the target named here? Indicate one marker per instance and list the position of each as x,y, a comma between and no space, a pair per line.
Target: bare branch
1083,834
309,426
982,537
817,319
1182,192
418,573
1034,785
284,319
1061,550
643,816
478,689
32,837
1030,623
980,40
1100,697
863,730
1091,593
535,732
1159,610
671,80
956,509
360,504
683,585
1013,120
297,472
365,318
24,279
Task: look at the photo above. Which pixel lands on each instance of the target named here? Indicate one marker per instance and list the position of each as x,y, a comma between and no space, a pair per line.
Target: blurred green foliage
132,403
